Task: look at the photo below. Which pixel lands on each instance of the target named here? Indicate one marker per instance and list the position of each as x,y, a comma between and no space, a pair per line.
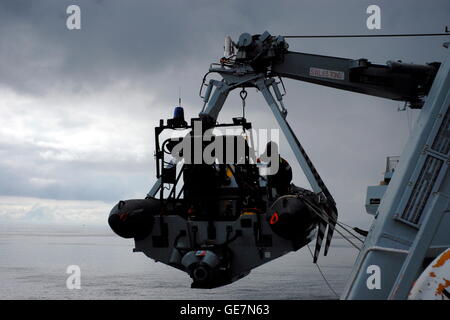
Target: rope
347,225
340,224
327,219
323,275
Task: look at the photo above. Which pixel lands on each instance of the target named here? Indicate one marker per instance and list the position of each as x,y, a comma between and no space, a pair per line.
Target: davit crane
228,218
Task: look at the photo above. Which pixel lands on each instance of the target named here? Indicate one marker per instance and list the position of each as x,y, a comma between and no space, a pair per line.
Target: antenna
179,96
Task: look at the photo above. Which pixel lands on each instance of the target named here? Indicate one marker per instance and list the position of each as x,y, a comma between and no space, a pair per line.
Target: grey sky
78,107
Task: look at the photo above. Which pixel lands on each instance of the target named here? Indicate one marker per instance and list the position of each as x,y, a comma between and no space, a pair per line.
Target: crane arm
396,80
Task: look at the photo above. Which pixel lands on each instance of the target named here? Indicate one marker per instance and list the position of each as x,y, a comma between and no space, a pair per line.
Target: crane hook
243,95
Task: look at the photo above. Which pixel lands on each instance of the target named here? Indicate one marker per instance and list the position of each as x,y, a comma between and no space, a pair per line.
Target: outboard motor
206,269
134,218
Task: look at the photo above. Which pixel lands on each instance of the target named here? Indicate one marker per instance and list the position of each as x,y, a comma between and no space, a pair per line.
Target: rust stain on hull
442,259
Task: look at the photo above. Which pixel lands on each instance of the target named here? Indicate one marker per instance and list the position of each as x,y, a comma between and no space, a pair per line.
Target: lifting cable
446,33
326,220
324,216
322,274
340,224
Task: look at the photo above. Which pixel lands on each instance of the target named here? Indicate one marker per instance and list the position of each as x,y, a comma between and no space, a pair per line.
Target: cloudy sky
78,107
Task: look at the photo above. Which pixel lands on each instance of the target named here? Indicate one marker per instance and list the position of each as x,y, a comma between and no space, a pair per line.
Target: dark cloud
138,41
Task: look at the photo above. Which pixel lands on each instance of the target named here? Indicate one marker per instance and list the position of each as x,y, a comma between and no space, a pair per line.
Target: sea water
34,261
